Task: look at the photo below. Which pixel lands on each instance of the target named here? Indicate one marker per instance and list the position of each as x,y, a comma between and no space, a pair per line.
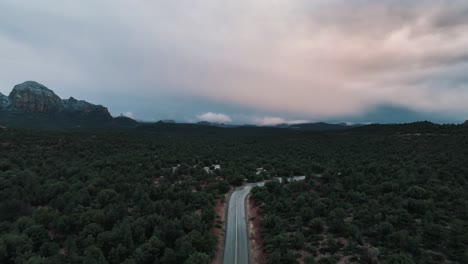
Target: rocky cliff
33,97
83,108
4,102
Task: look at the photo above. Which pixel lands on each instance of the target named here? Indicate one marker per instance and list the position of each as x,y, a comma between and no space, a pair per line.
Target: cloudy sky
245,61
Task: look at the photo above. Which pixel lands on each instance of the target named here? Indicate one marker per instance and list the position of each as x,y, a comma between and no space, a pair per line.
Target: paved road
236,248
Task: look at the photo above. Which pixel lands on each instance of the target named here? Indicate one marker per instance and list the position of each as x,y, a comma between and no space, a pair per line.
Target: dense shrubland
86,198
148,196
393,199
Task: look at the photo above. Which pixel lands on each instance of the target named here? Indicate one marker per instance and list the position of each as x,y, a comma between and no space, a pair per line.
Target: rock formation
33,97
4,102
83,108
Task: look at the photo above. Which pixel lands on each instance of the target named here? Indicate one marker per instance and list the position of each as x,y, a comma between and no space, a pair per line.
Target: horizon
267,121
243,62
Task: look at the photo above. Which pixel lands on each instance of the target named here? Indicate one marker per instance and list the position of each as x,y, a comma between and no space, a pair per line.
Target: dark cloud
305,59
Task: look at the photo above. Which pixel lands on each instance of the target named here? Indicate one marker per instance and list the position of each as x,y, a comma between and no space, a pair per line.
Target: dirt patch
218,228
255,240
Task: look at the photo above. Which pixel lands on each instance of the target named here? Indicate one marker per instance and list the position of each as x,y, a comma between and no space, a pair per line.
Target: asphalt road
236,248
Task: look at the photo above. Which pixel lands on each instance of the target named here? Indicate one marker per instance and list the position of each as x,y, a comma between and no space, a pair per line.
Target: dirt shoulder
218,228
256,253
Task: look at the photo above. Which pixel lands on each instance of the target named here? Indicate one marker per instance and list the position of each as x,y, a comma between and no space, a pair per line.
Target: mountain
32,97
4,102
466,123
83,108
31,104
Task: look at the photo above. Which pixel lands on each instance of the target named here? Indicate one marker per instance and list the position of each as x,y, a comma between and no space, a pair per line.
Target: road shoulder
256,254
219,227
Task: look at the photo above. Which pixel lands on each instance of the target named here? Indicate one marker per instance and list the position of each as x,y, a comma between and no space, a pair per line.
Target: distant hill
32,105
415,128
206,123
125,121
320,126
168,121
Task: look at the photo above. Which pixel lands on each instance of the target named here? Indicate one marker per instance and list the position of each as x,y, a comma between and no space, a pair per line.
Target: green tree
198,258
169,257
400,259
94,255
38,235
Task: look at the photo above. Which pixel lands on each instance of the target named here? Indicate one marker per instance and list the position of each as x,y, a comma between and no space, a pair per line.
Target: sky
245,61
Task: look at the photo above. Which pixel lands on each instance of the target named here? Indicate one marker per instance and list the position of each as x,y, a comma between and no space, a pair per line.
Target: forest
101,198
389,197
148,195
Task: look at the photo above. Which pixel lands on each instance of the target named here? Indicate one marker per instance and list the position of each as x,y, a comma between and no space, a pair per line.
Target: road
236,248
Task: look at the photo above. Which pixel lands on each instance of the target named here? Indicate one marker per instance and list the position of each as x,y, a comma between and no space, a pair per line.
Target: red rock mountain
33,97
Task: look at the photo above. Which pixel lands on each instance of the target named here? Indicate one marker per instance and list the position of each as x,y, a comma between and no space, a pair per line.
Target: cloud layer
314,59
270,121
214,117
